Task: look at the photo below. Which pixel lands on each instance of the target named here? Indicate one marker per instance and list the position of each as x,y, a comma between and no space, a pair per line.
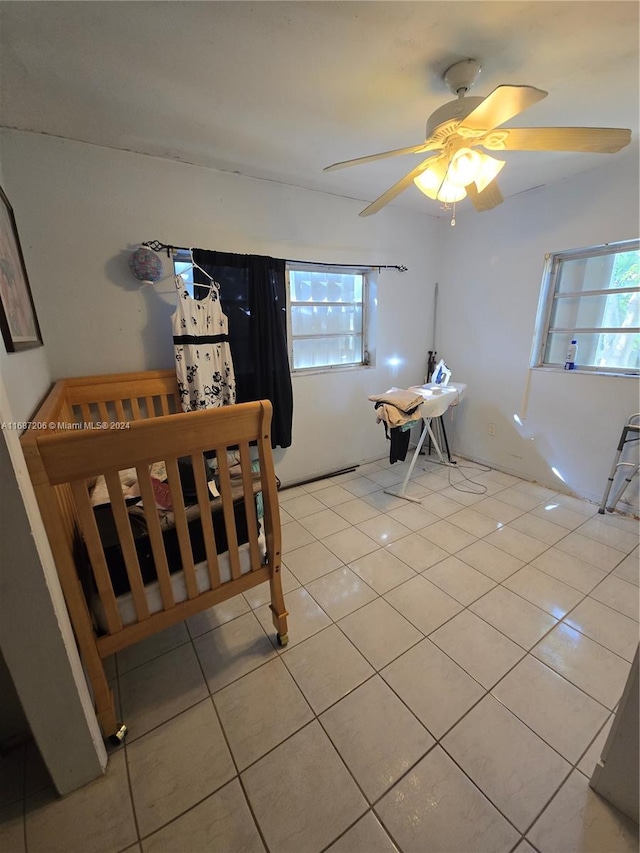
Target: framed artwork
18,320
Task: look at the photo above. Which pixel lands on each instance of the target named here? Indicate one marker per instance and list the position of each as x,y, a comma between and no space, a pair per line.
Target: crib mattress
125,603
113,550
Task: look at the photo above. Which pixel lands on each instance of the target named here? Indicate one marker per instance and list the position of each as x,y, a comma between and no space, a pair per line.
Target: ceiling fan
455,168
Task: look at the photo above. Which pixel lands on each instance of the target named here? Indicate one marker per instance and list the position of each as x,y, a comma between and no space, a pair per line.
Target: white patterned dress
203,356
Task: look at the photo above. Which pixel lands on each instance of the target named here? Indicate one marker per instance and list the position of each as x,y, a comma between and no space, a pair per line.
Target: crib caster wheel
283,640
119,736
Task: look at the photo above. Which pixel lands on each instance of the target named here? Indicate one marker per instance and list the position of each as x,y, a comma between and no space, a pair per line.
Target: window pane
620,350
308,286
572,303
299,286
324,352
602,272
612,309
185,269
325,319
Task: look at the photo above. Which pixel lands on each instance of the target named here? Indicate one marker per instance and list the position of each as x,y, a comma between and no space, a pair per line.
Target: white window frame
548,296
367,290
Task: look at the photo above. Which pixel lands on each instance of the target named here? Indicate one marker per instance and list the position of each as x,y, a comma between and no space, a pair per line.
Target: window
591,296
182,266
327,316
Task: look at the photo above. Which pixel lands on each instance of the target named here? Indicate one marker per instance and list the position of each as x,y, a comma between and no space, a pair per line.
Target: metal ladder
630,432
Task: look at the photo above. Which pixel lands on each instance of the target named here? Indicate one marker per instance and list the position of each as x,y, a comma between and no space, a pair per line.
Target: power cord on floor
474,466
481,488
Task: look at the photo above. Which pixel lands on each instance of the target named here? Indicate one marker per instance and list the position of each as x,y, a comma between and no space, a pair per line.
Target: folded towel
406,401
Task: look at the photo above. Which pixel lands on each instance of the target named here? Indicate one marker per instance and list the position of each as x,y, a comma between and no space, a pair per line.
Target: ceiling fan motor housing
453,111
460,77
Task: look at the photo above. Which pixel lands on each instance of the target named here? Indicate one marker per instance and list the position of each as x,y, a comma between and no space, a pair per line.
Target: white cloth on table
436,402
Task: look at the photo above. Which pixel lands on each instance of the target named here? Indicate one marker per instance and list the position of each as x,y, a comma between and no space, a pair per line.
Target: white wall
36,639
26,377
83,209
487,301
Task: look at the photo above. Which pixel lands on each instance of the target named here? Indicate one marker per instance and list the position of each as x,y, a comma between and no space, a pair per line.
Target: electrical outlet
491,429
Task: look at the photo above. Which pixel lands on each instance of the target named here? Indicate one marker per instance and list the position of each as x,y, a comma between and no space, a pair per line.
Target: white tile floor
449,683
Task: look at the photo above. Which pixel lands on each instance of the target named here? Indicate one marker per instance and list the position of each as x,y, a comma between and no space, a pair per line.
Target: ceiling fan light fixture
465,167
489,170
431,179
469,166
428,183
449,192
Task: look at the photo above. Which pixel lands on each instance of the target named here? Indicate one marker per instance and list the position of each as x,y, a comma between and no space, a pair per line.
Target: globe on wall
146,265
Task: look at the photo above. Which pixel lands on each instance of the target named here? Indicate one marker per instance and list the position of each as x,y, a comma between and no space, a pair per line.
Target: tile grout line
437,741
316,717
228,745
422,573
586,595
381,595
426,636
488,692
282,655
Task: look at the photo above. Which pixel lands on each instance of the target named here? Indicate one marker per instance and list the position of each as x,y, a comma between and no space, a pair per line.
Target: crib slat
227,509
182,527
155,536
250,505
151,409
177,401
91,535
121,518
135,408
87,417
204,502
120,411
104,412
69,515
164,404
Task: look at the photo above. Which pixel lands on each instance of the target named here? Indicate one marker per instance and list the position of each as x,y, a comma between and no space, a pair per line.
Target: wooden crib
101,425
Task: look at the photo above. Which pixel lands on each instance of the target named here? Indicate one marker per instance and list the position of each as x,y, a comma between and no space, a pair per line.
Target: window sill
313,371
586,372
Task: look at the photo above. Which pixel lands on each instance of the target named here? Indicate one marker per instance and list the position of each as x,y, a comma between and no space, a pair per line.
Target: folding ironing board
437,401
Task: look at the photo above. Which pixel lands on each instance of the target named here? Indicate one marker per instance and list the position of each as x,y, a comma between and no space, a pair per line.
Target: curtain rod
157,246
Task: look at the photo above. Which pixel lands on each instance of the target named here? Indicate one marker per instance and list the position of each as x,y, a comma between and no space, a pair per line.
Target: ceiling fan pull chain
453,215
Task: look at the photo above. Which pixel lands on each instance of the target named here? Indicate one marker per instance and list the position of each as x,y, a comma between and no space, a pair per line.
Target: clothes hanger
194,265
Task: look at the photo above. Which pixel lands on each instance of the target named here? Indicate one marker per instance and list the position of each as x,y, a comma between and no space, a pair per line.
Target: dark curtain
252,295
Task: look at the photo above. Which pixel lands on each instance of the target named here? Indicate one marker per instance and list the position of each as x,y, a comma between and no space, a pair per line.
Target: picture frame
18,320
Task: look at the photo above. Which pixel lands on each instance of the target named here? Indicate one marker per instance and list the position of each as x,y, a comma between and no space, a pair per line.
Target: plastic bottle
572,352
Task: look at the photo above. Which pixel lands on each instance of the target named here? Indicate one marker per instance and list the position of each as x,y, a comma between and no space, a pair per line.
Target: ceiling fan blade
503,103
395,190
601,140
412,149
489,198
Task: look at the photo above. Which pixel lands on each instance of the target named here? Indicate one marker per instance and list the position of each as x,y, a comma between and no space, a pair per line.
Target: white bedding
125,603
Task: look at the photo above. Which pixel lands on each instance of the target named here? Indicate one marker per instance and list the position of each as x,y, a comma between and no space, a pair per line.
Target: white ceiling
278,90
